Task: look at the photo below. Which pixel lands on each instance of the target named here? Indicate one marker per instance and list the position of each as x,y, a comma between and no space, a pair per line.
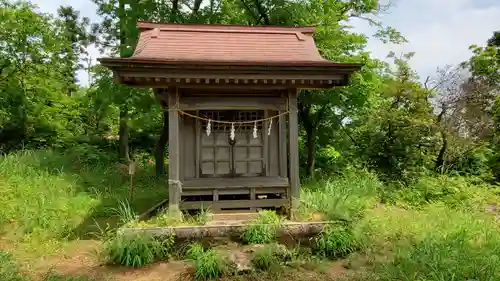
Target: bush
136,250
263,229
335,241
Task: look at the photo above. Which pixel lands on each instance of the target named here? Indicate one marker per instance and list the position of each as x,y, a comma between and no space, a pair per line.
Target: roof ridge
223,27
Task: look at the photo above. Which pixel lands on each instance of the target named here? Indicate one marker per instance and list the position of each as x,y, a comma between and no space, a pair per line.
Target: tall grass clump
435,243
208,263
341,198
263,229
9,271
271,256
335,241
136,250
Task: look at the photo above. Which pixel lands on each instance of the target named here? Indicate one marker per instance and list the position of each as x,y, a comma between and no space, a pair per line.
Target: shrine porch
235,193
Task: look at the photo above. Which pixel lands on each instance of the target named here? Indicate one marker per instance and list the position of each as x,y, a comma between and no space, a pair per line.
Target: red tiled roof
230,43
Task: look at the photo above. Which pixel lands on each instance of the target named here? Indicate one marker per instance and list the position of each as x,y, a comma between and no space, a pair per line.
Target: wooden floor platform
240,182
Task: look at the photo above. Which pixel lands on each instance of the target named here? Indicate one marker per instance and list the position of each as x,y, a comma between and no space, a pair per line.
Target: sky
439,31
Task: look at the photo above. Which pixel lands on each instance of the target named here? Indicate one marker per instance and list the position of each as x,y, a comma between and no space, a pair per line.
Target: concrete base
294,229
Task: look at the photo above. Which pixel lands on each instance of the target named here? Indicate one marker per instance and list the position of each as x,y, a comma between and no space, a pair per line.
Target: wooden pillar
293,137
283,155
174,184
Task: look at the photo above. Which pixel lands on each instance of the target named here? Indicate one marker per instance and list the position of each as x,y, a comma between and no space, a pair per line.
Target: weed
335,241
136,250
194,250
56,277
344,198
164,219
209,265
263,229
9,271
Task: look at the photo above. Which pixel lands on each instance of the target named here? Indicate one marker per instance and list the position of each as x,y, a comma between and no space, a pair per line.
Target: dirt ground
81,259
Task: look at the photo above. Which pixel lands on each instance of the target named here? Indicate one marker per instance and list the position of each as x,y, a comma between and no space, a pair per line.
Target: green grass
164,219
263,229
272,256
344,197
335,241
435,243
9,271
136,250
208,264
49,197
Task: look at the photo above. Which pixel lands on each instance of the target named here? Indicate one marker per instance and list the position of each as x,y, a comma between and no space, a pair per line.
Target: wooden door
222,157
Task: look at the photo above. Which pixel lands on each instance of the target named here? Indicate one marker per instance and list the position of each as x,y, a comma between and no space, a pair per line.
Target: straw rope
230,122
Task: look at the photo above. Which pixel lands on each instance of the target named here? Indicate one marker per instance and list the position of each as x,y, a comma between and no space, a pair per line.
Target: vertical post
294,150
283,157
174,185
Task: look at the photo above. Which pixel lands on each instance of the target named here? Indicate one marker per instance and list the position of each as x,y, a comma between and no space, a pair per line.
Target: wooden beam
174,185
231,204
232,103
294,149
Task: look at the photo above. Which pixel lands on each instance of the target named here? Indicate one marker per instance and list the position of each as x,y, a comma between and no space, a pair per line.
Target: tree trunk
442,151
160,148
123,133
311,151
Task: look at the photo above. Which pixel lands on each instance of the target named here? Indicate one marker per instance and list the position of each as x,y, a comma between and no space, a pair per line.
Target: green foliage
271,256
49,196
136,250
9,271
263,229
265,258
436,243
397,138
208,264
335,241
344,197
194,250
456,192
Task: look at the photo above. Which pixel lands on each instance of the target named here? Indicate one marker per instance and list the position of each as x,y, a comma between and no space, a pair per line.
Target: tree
32,107
74,30
396,137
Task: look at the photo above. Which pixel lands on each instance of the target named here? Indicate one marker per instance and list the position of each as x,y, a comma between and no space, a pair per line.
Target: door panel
221,157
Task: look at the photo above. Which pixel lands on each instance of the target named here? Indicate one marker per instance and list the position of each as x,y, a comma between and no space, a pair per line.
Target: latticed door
222,157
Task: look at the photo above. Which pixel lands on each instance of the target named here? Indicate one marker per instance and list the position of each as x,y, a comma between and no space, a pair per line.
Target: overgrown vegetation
272,256
136,250
208,264
263,229
335,241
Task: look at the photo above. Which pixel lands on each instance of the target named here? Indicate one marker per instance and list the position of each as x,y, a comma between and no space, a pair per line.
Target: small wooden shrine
231,93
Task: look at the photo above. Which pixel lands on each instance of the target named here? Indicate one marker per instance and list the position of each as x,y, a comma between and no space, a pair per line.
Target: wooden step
233,216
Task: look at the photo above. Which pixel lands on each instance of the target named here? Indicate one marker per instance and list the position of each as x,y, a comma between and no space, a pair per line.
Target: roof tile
226,43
